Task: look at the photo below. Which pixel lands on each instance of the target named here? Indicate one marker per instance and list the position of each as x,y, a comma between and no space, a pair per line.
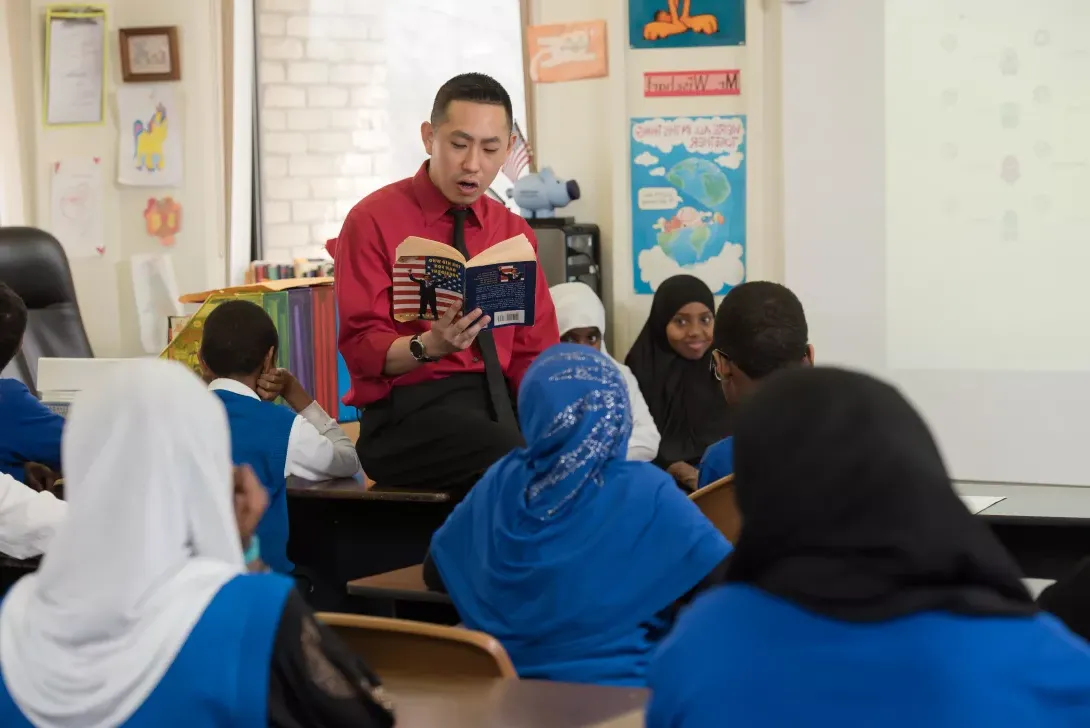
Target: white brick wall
323,117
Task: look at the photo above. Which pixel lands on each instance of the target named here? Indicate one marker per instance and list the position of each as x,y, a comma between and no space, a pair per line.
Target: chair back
398,647
716,501
33,264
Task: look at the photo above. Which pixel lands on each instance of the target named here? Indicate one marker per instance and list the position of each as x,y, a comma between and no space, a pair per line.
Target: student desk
1045,527
346,529
402,594
513,704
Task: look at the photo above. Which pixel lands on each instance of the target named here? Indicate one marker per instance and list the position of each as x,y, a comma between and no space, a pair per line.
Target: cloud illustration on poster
658,172
646,159
732,160
725,269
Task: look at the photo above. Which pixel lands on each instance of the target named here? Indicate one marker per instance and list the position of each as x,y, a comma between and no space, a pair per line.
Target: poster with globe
689,200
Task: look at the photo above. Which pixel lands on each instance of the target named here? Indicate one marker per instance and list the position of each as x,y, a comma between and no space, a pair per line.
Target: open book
430,277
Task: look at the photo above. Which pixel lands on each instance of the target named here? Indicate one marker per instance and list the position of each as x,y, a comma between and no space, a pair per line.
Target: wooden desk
358,490
342,530
513,704
401,584
1045,527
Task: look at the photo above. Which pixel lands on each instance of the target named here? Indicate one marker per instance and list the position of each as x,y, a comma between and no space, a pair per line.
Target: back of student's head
761,327
12,324
236,339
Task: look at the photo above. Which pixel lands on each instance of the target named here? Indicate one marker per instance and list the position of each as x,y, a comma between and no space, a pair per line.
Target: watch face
416,348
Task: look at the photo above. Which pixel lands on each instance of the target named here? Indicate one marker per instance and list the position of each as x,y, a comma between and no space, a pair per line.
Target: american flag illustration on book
417,278
429,277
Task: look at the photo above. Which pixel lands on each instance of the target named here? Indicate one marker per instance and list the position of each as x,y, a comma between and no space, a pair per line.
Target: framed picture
150,54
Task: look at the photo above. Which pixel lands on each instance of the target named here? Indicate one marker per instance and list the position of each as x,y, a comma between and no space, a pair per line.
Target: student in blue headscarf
862,592
572,556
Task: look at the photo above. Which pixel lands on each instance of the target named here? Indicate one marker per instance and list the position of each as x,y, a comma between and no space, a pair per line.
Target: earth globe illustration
689,237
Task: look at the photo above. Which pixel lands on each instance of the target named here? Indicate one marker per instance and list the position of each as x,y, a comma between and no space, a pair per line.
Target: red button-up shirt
363,258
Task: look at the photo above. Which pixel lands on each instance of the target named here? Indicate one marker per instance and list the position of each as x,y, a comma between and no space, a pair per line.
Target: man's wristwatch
419,351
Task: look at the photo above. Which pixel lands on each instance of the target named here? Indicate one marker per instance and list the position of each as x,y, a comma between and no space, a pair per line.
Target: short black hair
761,327
12,324
236,338
476,88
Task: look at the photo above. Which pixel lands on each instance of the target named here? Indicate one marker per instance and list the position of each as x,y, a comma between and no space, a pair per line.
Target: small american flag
519,157
442,274
509,273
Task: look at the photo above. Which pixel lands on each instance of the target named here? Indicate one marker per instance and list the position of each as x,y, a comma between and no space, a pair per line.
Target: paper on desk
75,214
156,292
978,503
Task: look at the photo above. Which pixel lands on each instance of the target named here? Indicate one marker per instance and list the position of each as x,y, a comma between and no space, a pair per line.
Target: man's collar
434,203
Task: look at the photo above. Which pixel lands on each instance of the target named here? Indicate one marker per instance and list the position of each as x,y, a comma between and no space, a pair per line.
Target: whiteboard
937,225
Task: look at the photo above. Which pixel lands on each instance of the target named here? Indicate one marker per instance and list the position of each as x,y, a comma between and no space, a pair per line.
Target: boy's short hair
761,327
12,324
236,338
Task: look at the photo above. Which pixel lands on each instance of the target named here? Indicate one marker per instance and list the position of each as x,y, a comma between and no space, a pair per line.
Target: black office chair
33,264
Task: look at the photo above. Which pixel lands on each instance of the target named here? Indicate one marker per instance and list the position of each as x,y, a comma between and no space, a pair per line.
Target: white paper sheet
978,503
75,70
149,151
76,207
156,292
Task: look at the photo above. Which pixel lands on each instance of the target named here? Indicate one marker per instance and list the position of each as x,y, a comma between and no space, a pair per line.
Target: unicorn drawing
149,140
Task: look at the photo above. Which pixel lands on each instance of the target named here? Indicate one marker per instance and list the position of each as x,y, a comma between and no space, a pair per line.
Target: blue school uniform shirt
259,438
718,462
220,677
29,431
745,658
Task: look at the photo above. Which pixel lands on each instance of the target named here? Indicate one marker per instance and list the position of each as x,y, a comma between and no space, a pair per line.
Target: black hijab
682,394
847,509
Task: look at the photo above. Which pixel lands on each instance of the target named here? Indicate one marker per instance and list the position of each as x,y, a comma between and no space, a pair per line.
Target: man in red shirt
436,397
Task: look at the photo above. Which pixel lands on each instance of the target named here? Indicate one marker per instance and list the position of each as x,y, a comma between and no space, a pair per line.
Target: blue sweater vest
259,438
220,677
29,431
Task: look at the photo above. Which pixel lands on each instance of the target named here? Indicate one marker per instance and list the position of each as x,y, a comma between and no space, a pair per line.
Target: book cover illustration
425,286
429,277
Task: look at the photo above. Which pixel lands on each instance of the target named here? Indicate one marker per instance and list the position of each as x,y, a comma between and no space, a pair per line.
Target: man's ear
270,359
427,135
809,358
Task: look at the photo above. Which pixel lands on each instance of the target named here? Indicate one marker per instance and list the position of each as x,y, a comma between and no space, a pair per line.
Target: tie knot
459,213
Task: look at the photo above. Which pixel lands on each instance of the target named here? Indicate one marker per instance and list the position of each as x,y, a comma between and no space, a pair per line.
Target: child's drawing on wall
150,150
149,139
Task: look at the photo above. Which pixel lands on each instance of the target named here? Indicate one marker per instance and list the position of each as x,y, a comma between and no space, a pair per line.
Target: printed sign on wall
567,52
691,83
686,23
689,200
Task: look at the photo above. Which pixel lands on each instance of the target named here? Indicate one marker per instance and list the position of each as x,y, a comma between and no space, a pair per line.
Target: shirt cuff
315,415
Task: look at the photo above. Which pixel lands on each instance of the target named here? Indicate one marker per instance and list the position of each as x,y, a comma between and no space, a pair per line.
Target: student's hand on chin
251,500
271,384
451,332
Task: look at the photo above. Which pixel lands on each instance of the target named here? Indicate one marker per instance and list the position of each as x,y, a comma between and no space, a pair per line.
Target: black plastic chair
33,264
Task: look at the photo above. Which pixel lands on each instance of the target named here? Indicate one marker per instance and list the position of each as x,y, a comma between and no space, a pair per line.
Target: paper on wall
150,145
155,290
75,67
76,207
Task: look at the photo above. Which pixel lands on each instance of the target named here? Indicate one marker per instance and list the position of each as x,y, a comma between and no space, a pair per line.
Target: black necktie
493,372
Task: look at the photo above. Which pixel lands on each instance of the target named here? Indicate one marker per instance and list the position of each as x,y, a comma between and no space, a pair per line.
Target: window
342,87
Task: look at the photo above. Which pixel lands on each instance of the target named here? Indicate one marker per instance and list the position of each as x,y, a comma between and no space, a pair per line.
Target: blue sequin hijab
565,551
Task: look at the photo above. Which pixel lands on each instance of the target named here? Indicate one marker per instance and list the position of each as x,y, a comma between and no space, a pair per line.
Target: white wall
103,285
582,132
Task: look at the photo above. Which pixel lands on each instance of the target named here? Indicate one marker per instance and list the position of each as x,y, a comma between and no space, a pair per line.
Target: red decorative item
163,219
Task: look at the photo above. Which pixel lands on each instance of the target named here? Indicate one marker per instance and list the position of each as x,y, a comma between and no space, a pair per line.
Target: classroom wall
582,129
103,285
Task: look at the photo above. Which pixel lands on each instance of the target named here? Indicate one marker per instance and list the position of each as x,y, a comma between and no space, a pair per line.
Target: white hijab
578,307
150,539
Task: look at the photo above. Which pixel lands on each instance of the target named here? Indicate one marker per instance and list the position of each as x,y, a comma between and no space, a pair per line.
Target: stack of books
305,314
